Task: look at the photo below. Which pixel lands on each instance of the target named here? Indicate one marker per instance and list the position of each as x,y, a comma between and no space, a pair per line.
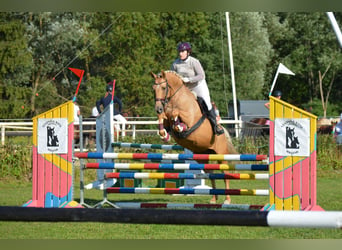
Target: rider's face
183,54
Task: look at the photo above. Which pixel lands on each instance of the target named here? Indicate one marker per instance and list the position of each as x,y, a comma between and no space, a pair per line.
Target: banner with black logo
292,137
52,135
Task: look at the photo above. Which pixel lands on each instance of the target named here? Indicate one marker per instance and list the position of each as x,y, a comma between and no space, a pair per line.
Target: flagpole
79,73
113,90
274,81
112,113
78,86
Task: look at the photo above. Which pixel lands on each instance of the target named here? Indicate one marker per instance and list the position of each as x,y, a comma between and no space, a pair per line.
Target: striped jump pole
147,146
230,176
139,205
160,156
273,218
199,191
176,166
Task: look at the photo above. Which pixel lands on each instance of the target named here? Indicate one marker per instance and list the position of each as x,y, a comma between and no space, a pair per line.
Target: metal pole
232,71
335,27
3,135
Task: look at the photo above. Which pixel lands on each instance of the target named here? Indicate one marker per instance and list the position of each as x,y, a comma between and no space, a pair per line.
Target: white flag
283,70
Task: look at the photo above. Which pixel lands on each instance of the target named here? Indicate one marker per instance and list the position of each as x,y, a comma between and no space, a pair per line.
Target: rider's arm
267,105
199,71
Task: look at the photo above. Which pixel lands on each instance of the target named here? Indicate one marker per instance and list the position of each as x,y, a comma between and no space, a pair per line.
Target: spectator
106,100
77,113
94,112
277,93
217,112
338,131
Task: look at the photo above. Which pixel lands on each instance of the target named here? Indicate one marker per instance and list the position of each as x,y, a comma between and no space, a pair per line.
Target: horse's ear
163,74
153,75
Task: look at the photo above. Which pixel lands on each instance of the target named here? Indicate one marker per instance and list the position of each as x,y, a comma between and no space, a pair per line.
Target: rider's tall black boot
212,118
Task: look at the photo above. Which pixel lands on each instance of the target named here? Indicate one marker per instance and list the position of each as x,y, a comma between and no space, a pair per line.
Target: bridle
166,99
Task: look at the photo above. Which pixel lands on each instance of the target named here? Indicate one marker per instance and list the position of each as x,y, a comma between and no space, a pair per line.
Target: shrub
15,162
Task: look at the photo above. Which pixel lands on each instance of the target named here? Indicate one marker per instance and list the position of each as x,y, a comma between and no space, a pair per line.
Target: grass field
16,189
16,194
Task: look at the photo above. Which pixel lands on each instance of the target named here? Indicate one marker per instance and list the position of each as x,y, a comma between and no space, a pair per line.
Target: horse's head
165,87
161,91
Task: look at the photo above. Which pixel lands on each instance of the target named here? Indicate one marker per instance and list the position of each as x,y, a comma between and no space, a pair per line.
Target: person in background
94,112
217,112
338,131
77,112
92,128
193,76
277,94
106,100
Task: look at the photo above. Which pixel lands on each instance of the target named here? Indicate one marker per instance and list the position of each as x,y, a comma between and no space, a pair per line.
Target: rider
192,73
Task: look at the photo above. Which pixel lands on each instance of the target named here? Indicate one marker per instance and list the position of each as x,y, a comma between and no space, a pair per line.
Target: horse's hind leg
212,181
226,182
213,185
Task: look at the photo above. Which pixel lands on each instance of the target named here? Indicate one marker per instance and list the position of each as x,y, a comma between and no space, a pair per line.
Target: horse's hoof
179,128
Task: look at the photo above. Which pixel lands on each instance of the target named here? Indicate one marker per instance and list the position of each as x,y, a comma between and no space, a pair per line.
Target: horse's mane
174,73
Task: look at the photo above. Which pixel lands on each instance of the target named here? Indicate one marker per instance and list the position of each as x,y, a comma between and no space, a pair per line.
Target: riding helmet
277,93
184,46
109,88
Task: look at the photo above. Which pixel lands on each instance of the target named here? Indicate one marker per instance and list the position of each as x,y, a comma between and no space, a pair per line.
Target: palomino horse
179,111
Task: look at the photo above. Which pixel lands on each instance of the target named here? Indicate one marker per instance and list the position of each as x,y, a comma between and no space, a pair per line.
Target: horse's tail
231,148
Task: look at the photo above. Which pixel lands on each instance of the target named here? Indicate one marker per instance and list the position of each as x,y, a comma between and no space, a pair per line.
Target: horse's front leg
164,135
178,126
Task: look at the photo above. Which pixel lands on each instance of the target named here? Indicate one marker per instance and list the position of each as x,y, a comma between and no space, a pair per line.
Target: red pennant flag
78,72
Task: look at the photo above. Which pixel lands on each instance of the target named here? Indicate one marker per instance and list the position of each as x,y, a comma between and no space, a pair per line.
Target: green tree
54,40
252,51
15,66
313,54
126,52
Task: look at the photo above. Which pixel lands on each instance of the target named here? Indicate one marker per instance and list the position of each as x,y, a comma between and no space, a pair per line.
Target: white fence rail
24,128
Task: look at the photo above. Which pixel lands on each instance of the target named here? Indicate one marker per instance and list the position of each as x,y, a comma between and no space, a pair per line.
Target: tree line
36,50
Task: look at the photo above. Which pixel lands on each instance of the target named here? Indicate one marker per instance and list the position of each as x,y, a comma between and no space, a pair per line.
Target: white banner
292,137
52,135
